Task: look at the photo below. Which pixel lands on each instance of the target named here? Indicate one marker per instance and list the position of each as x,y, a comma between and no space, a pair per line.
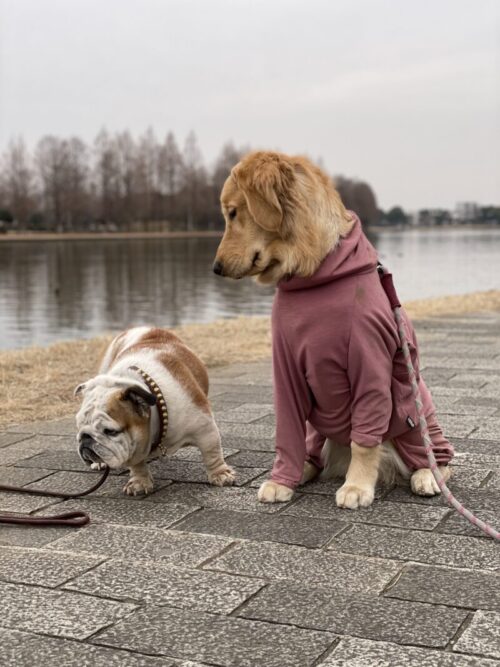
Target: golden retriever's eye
232,213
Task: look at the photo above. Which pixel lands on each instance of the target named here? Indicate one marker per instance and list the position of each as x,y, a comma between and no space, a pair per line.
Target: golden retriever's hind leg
423,483
310,472
336,460
359,487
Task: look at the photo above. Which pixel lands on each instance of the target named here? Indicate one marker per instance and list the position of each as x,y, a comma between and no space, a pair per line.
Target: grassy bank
37,383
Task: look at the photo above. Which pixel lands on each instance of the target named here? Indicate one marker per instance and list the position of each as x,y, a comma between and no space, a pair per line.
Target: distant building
467,211
431,217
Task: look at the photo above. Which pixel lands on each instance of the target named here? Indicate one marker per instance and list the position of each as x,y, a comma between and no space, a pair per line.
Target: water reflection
64,289
61,290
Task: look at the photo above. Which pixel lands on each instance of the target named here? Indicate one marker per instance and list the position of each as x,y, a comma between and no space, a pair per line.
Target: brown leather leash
77,518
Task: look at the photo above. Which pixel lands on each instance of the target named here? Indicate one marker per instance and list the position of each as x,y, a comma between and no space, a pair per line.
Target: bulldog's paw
309,473
352,496
223,476
422,481
271,492
138,485
97,466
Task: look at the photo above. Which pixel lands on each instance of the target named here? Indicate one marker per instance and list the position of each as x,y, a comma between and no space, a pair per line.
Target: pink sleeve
292,402
369,368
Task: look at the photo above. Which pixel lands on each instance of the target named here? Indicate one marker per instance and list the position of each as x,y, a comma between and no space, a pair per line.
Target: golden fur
283,216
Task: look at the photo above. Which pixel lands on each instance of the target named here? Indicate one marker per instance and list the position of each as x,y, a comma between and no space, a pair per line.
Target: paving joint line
202,565
459,632
85,572
235,612
484,483
342,531
393,581
327,652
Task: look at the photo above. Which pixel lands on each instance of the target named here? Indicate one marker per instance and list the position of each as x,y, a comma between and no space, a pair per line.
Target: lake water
60,290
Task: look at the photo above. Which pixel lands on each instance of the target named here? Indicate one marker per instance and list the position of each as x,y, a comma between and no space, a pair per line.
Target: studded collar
161,406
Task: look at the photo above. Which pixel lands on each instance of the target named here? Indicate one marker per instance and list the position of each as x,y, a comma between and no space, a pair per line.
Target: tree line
120,183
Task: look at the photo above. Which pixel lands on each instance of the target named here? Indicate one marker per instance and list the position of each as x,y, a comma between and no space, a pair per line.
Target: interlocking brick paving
195,575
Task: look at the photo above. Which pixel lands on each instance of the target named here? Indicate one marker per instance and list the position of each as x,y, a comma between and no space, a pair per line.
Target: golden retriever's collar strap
161,406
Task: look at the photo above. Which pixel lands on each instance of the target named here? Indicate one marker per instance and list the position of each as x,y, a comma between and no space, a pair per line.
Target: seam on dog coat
338,370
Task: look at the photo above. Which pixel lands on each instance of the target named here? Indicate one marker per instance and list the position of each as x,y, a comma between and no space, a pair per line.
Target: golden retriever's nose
218,268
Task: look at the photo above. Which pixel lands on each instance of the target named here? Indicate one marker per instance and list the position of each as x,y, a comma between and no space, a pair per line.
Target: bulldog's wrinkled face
113,422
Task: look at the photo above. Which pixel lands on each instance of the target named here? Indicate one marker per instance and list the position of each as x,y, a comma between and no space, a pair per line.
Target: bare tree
18,183
170,173
75,183
146,170
128,182
358,197
194,177
126,155
106,179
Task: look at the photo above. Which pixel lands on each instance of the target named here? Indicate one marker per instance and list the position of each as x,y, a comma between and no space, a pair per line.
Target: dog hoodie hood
353,255
338,369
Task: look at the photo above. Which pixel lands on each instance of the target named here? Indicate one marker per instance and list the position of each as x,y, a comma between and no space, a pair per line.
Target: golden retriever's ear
266,181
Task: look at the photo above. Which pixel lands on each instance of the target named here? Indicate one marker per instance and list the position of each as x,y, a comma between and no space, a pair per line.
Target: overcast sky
403,94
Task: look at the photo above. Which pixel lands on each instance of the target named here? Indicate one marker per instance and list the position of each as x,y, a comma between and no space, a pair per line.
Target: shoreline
105,236
37,383
137,235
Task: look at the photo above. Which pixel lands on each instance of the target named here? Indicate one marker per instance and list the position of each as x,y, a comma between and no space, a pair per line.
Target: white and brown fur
118,421
283,216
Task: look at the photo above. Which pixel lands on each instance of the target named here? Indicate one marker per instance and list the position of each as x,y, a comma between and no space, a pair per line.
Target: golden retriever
283,217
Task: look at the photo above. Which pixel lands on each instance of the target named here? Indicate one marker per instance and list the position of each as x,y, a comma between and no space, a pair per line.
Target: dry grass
37,383
477,302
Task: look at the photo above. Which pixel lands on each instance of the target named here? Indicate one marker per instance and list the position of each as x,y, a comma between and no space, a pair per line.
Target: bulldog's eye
111,432
232,213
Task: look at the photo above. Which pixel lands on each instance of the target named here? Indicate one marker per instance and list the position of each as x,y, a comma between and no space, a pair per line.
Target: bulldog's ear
267,181
141,398
80,389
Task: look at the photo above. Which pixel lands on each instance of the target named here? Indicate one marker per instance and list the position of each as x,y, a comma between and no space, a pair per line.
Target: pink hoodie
338,370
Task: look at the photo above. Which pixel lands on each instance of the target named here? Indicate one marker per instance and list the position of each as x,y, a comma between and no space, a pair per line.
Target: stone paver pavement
194,575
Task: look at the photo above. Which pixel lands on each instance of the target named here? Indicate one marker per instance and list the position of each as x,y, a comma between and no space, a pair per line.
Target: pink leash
388,285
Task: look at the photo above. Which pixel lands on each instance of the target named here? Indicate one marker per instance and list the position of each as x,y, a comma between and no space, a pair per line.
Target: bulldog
150,397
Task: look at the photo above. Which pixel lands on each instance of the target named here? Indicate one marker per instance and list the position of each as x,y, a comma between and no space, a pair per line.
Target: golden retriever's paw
138,485
271,492
352,496
223,476
309,473
423,483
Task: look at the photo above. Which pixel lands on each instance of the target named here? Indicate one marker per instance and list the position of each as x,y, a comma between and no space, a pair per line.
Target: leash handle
422,422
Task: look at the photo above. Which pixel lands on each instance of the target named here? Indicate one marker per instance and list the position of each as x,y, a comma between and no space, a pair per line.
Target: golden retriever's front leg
358,489
272,492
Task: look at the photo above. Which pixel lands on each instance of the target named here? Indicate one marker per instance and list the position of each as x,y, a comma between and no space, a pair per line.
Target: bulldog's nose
218,268
86,440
